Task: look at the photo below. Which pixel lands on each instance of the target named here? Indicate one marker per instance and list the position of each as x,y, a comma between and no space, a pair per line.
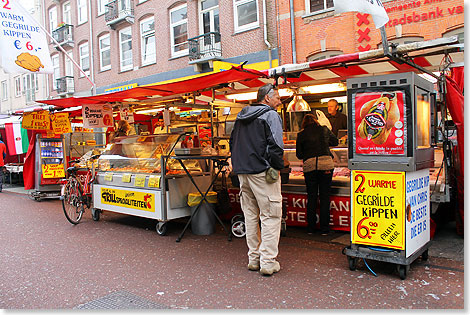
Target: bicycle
75,196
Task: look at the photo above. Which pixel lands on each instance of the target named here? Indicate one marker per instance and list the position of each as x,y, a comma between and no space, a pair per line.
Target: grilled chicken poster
380,123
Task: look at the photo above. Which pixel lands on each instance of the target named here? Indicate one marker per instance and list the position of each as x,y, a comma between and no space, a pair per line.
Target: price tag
108,177
126,178
154,181
139,180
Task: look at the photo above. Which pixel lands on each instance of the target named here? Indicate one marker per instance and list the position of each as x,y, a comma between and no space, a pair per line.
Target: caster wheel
238,228
237,217
161,228
352,261
403,271
425,255
95,214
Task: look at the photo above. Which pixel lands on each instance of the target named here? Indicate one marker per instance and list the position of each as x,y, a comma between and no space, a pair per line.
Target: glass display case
78,143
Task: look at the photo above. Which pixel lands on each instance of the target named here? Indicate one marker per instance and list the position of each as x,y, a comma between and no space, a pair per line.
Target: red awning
235,74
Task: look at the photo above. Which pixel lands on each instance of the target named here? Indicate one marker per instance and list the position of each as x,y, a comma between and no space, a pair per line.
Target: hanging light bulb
298,104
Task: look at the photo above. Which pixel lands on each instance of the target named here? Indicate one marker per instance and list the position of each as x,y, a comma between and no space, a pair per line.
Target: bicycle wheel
72,201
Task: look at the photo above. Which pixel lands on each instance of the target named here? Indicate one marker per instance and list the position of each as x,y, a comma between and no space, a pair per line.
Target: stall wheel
95,214
161,228
425,255
403,271
239,228
237,217
352,261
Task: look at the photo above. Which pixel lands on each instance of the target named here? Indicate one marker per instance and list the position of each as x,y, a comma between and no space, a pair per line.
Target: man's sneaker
268,271
253,266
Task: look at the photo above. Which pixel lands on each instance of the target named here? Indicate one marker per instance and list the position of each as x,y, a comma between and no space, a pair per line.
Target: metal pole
385,41
292,30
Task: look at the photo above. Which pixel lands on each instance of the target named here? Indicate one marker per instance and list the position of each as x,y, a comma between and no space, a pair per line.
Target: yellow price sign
126,178
154,181
61,123
139,180
36,120
53,171
378,208
108,177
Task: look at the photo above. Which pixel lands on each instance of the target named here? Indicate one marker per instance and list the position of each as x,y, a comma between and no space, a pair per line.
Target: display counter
136,177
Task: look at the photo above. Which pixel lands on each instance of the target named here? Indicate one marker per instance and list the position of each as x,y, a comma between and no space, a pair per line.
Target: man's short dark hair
263,91
333,100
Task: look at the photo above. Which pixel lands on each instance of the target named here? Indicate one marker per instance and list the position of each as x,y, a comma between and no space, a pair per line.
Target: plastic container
203,223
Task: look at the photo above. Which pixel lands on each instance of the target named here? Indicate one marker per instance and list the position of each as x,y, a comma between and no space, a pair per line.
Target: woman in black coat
313,143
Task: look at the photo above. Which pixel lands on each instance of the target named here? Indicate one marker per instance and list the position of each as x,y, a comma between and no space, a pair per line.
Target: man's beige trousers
260,200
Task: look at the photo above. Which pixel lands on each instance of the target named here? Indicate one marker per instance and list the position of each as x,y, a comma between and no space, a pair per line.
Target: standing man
257,156
337,119
3,155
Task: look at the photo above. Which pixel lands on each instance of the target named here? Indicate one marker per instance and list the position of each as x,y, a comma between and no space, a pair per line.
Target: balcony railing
64,35
65,85
205,47
119,10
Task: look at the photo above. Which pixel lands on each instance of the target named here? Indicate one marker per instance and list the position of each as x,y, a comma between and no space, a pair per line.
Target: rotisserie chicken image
378,116
29,62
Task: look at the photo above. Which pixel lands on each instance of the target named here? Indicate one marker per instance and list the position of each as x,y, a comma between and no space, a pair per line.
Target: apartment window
314,6
82,11
459,32
147,33
402,40
69,65
84,55
142,1
324,55
102,6
179,30
245,14
30,87
4,91
56,71
105,52
18,86
52,19
125,48
67,13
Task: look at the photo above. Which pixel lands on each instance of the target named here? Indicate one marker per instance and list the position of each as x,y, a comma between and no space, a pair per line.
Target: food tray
188,151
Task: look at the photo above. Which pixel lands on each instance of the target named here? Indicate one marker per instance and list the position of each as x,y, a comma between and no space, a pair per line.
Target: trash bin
203,223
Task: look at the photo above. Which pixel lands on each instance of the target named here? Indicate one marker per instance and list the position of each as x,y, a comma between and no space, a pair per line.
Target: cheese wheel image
378,117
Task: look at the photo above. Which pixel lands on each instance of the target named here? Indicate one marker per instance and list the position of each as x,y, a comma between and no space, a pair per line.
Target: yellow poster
36,120
378,208
154,181
53,171
129,199
139,180
61,123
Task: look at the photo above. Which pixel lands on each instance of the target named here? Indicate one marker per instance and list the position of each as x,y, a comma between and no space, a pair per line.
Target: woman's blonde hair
123,125
309,119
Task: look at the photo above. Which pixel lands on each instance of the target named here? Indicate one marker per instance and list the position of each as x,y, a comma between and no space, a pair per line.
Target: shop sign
417,210
378,204
295,207
380,123
108,177
129,199
53,171
126,114
96,116
36,120
126,178
139,180
61,123
154,181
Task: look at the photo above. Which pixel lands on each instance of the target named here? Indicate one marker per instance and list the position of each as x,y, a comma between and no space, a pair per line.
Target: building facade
121,44
319,33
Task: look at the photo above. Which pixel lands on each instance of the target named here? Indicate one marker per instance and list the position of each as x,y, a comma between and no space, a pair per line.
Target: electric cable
365,262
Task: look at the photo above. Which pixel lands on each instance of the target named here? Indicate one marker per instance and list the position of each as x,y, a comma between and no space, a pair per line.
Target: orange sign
36,120
61,123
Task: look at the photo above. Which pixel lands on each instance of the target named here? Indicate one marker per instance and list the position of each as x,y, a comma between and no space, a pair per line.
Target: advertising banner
205,134
417,210
380,123
36,120
126,114
61,123
96,116
378,204
295,209
129,199
53,171
372,7
23,44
